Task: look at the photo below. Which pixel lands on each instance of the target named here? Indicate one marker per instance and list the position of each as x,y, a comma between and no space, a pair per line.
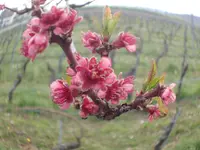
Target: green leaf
153,72
107,15
68,79
162,79
106,18
150,77
163,109
153,83
112,23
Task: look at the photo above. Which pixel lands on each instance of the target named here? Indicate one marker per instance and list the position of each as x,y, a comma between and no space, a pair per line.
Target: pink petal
131,48
105,62
40,39
101,94
92,62
171,86
57,31
128,87
35,22
86,86
70,72
65,106
83,114
110,79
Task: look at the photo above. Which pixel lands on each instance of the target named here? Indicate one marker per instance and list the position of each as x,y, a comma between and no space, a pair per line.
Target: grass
131,131
128,132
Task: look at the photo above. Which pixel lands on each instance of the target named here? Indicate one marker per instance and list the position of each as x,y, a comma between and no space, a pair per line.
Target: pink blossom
91,40
2,6
76,85
95,75
153,112
168,96
88,107
126,40
51,18
67,22
61,94
35,39
119,90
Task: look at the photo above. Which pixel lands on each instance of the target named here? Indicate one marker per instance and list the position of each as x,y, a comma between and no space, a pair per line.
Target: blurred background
167,31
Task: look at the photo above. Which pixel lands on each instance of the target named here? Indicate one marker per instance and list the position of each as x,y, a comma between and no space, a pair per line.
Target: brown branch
112,57
70,146
138,52
150,30
61,58
59,2
167,132
65,43
108,113
17,81
53,73
74,6
184,62
20,12
183,73
194,37
52,111
165,50
173,33
6,49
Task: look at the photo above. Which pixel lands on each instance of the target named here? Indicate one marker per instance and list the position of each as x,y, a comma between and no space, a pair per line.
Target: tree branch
74,6
52,111
109,113
184,62
165,49
18,81
20,12
167,132
53,73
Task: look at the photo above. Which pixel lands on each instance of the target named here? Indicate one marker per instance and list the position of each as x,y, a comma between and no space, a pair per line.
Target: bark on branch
20,12
53,73
18,81
165,50
184,62
167,132
74,6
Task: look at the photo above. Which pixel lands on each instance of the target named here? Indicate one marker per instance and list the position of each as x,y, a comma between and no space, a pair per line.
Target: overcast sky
174,6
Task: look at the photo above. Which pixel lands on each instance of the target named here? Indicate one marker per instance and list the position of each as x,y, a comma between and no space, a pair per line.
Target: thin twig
74,6
184,64
20,12
70,146
167,132
17,81
59,2
53,73
165,49
52,111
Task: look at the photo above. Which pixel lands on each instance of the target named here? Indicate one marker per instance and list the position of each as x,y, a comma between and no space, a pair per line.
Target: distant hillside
146,13
187,18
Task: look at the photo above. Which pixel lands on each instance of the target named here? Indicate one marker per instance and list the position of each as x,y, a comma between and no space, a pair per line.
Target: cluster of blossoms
167,96
92,85
91,75
37,36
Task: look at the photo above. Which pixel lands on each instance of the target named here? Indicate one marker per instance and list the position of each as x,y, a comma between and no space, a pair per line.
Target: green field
128,132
